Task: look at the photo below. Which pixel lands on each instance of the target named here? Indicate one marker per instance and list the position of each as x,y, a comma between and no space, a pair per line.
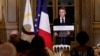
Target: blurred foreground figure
38,47
82,50
20,44
14,37
7,49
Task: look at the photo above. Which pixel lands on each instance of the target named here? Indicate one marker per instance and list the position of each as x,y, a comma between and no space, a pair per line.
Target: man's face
62,12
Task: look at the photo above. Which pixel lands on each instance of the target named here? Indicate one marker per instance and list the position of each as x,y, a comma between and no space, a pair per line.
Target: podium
60,47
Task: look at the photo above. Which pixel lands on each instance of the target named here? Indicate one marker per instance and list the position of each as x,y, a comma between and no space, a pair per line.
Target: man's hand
68,33
55,34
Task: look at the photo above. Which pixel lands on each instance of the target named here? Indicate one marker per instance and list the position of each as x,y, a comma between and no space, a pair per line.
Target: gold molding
96,22
2,33
96,25
1,10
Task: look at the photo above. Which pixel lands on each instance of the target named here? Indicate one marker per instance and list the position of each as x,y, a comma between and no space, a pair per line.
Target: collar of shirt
61,19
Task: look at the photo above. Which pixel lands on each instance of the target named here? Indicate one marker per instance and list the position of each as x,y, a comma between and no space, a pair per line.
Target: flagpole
19,21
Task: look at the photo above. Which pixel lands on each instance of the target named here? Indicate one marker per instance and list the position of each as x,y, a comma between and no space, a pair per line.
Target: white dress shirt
61,19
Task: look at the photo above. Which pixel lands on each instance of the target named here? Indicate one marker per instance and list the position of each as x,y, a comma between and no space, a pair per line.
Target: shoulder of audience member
23,45
50,52
38,52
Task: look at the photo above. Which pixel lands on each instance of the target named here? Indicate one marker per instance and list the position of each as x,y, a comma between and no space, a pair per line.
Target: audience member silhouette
38,52
22,46
7,49
37,42
38,47
82,50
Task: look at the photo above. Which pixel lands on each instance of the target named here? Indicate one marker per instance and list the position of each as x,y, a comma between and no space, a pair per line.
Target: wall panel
96,36
97,10
96,22
11,11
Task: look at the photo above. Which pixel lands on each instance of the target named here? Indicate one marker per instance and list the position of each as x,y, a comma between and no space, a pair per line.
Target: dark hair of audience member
38,52
1,42
38,47
14,39
37,42
82,38
23,45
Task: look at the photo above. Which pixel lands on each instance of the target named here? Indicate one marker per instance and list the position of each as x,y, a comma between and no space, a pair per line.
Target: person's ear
65,12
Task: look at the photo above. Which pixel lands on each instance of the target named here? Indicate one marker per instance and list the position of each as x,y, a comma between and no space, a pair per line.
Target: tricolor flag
44,26
28,27
37,20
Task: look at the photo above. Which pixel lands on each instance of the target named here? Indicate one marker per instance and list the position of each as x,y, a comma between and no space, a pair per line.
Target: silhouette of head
82,38
7,49
23,46
38,42
14,37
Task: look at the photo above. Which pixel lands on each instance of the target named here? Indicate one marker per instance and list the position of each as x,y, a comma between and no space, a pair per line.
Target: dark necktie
63,20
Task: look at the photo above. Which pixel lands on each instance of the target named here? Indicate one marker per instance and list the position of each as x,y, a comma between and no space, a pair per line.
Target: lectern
63,30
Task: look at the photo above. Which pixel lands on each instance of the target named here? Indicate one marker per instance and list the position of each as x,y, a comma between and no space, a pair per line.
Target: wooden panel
96,36
9,19
21,10
4,5
1,11
3,35
65,2
87,16
9,14
96,21
11,11
96,25
77,4
96,33
97,10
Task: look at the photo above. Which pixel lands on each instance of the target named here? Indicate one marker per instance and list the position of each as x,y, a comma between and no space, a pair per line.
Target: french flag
44,26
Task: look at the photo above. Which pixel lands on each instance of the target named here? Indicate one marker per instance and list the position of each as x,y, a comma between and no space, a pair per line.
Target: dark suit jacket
63,40
68,21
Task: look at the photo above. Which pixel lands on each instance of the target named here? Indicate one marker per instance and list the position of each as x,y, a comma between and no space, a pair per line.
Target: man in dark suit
62,37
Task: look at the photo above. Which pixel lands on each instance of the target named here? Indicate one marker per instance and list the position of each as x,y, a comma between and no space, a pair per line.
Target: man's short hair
7,49
62,8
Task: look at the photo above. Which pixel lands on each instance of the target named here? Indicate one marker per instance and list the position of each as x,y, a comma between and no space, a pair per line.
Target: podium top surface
63,28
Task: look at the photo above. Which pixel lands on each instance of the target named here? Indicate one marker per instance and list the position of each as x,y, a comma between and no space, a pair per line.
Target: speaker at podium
63,36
